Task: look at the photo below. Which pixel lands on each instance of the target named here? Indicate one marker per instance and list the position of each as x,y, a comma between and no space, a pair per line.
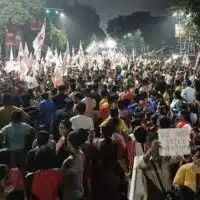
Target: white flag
60,58
31,82
80,52
57,77
26,51
11,54
39,40
197,60
20,52
49,55
73,52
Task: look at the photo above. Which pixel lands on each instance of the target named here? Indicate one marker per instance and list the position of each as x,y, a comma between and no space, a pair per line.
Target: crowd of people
78,141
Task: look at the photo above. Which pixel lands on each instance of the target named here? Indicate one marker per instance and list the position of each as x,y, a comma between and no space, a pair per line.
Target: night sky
109,9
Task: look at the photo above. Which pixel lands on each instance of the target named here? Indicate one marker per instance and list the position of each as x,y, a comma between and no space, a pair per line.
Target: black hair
45,158
140,134
186,115
165,122
104,93
198,96
69,104
17,116
6,99
81,108
78,138
73,86
25,99
45,95
121,104
78,95
61,88
113,97
54,91
177,94
66,123
43,127
42,137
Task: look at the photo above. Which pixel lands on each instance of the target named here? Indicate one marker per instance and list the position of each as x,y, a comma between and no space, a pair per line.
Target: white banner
174,141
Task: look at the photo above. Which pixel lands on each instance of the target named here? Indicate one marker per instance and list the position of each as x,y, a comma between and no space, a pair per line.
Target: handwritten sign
174,141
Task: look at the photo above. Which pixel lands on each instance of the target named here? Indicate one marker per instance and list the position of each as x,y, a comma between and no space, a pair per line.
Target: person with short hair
73,167
6,111
47,110
59,99
81,121
16,136
189,93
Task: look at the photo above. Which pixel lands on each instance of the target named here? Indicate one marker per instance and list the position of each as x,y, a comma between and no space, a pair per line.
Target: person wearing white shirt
81,121
189,93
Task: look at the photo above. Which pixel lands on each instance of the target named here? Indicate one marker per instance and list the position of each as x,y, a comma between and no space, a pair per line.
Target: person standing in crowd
81,121
177,103
189,93
73,167
65,127
156,171
89,102
188,177
16,136
106,165
31,110
47,110
62,114
60,98
6,111
42,140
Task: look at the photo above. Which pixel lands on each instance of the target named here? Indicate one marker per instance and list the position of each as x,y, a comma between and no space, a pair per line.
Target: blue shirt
153,105
15,134
47,108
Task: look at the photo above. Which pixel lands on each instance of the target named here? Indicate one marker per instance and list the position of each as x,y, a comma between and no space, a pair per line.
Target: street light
62,15
179,15
47,11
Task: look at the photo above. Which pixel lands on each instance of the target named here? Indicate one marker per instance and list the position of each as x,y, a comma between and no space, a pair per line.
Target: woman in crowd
65,127
177,103
107,163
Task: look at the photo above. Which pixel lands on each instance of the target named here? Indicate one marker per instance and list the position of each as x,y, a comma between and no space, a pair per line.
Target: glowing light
175,14
189,15
62,14
110,43
56,12
47,11
175,56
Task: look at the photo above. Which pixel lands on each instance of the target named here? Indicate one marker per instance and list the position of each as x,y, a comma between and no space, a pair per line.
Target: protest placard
174,141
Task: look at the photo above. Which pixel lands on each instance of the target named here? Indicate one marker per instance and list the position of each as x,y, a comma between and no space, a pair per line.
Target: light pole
179,15
50,14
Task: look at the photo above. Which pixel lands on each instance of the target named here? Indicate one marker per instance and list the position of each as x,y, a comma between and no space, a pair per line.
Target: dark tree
191,10
83,24
151,27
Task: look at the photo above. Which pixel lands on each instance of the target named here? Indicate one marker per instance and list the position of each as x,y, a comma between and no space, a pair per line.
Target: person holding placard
156,171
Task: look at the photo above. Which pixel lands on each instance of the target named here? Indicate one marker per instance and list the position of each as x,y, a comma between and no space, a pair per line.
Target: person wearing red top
45,182
128,94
